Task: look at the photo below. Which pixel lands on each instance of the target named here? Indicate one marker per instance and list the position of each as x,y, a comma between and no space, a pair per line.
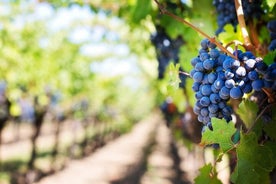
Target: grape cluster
209,84
218,77
271,26
167,51
227,12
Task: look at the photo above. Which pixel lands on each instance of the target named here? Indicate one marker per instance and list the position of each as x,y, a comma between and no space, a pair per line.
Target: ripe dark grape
236,92
167,50
227,12
209,73
198,76
257,85
218,78
271,26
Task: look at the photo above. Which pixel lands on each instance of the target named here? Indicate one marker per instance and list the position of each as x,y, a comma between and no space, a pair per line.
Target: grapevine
237,83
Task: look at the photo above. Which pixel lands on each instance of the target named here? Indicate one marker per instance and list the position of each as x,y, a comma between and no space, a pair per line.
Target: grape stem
259,116
245,35
213,40
185,73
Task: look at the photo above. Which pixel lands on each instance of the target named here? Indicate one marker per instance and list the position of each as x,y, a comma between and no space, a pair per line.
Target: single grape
224,93
214,98
257,85
198,76
199,67
195,86
236,92
205,101
271,25
204,43
250,64
241,72
204,111
235,64
204,56
212,77
208,64
227,63
198,95
229,74
194,61
206,90
229,83
213,108
218,84
214,53
253,75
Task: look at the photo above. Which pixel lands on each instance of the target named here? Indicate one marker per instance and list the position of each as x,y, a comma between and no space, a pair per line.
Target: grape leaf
269,58
221,134
254,161
272,146
270,127
174,75
207,175
248,112
141,10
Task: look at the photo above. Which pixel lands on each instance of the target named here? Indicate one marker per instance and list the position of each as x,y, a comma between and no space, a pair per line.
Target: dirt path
163,164
118,162
146,155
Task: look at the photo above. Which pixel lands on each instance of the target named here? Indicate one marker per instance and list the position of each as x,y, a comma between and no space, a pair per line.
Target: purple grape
199,67
257,85
204,111
208,64
241,72
230,83
214,98
205,101
219,84
198,76
253,75
206,90
213,108
212,77
236,93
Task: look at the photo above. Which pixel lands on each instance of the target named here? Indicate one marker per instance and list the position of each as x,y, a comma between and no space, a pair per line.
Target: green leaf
272,146
229,34
269,58
248,112
174,75
221,134
254,161
141,10
207,175
270,127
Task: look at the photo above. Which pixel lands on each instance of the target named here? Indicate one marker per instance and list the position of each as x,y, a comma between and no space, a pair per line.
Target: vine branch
245,35
259,116
213,40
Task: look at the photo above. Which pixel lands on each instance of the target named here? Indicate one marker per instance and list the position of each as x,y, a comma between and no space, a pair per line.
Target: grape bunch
167,51
271,26
218,77
227,12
